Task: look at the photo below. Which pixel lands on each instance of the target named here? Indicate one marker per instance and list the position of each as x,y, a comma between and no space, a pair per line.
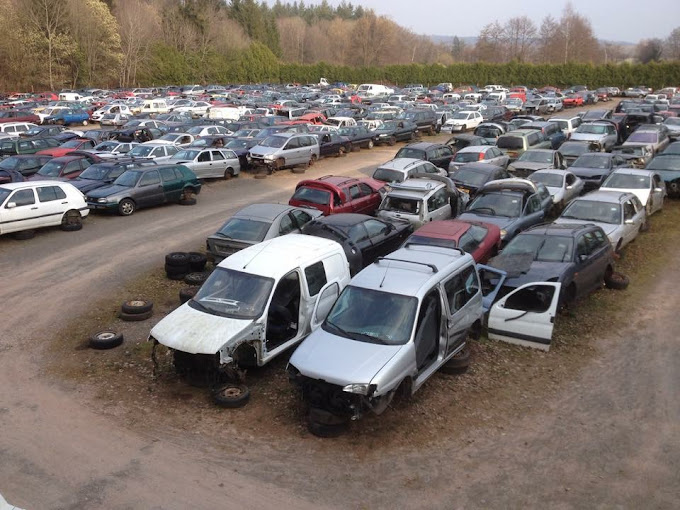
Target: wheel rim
127,208
136,303
231,392
105,336
71,218
370,144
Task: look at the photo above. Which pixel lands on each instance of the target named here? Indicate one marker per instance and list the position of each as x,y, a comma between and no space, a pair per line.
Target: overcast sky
612,20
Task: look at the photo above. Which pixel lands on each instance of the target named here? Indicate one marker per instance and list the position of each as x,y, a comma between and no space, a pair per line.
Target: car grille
330,397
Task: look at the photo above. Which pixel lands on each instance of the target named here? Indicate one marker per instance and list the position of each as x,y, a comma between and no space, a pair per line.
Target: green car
146,187
13,147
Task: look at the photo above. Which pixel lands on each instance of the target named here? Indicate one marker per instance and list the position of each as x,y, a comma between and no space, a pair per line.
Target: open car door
526,316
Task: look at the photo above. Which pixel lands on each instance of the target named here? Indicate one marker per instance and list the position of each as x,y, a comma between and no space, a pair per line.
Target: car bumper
95,206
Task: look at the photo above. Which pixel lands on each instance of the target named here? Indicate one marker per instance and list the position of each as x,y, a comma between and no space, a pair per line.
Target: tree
520,33
137,22
490,46
672,46
649,50
457,48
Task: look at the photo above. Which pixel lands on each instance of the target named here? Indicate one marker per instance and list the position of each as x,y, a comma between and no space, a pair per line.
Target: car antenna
384,276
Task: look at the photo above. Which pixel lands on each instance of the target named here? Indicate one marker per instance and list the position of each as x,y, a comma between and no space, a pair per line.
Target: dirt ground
591,424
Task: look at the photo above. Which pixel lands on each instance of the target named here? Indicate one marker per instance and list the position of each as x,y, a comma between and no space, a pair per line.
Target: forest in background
51,44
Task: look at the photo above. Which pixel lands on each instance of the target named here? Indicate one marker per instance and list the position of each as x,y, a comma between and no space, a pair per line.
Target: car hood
86,185
189,330
581,171
107,191
264,151
340,360
642,194
529,165
587,137
521,270
499,221
608,228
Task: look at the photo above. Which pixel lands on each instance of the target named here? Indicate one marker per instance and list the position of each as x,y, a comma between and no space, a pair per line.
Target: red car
11,115
70,146
335,194
61,169
572,100
481,240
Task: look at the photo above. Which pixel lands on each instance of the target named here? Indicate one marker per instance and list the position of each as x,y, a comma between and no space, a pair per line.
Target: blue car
69,116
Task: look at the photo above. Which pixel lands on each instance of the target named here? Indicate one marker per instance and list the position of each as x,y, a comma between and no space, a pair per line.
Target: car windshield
244,229
71,144
497,204
400,204
573,149
106,146
466,156
536,157
408,152
591,129
672,121
186,154
460,115
593,210
665,163
487,132
233,294
388,175
367,315
510,142
128,178
312,195
195,130
470,177
432,241
592,160
33,131
140,151
9,163
274,141
544,248
643,137
237,144
627,181
169,137
4,193
95,172
550,180
51,169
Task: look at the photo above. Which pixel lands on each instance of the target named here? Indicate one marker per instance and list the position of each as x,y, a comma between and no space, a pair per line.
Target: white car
177,139
462,121
563,186
37,204
114,119
13,129
208,163
153,150
111,108
195,108
112,149
199,131
647,185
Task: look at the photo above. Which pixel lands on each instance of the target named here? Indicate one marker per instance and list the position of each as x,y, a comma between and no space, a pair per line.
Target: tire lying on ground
196,279
186,293
231,395
616,280
106,339
458,364
138,306
324,424
135,317
197,261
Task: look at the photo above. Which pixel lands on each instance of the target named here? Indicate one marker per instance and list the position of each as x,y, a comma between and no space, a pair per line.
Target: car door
585,274
149,190
383,236
526,316
172,183
52,203
533,212
438,206
463,298
631,223
20,211
202,164
658,193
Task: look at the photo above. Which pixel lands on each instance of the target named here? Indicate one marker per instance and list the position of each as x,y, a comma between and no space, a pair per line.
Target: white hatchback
37,204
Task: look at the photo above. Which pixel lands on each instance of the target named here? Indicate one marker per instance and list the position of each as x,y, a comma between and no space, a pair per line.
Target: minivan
285,150
515,143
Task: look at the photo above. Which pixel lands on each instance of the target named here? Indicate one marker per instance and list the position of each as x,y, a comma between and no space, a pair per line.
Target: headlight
269,157
360,389
102,200
503,233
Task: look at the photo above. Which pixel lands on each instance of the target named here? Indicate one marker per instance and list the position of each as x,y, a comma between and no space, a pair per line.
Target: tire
177,258
197,261
298,170
196,279
106,339
187,201
186,293
326,431
71,221
392,141
228,173
135,317
312,160
413,136
176,276
567,298
370,144
23,235
134,306
126,207
231,395
279,164
464,128
458,364
617,281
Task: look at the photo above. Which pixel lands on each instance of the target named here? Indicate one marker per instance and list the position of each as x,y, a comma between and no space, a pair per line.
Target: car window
22,197
628,211
374,228
535,298
73,166
582,247
293,143
300,217
601,238
316,278
150,178
168,174
217,155
287,225
354,192
533,204
49,193
437,201
358,233
203,157
461,289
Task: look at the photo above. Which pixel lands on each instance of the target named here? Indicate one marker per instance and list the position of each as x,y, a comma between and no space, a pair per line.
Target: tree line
53,44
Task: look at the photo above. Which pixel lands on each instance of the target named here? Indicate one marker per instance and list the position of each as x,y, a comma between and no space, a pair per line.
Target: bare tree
672,46
520,34
292,36
649,50
490,46
138,22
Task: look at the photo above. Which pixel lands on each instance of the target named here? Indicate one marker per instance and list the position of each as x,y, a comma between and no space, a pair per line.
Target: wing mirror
11,205
569,186
628,222
658,190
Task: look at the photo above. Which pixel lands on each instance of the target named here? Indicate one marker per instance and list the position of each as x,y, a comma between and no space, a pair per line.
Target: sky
612,20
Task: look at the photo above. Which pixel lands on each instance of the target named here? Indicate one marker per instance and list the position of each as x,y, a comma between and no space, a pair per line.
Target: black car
100,174
359,136
578,256
438,154
595,167
463,140
42,132
333,144
7,175
472,176
424,118
25,164
668,166
393,131
138,134
364,238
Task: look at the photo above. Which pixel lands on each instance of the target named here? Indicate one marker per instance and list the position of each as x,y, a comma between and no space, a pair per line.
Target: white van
342,121
154,106
70,96
373,90
498,95
228,112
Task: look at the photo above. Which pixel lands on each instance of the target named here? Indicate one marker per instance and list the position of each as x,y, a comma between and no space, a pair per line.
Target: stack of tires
179,264
136,310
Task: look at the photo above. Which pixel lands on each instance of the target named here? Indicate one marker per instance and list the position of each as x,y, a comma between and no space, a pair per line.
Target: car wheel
371,144
458,364
177,259
188,199
279,164
342,151
24,235
392,140
71,221
126,207
136,306
228,173
464,127
312,159
197,278
231,395
105,340
413,136
84,123
197,261
135,317
615,280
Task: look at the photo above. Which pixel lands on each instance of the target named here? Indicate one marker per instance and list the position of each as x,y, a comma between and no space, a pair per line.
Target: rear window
312,195
408,152
388,175
432,241
510,142
244,229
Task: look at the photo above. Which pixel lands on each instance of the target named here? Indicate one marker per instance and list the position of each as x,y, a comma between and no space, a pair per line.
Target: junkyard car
637,156
602,133
537,159
145,187
469,177
647,185
563,186
593,168
399,169
26,165
393,131
436,153
31,205
206,163
333,194
256,223
479,239
487,154
621,215
258,303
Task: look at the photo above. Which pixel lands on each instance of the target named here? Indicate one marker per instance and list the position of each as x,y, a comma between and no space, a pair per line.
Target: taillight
481,156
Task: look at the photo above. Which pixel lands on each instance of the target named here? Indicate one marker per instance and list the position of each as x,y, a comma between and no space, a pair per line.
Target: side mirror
658,190
569,186
628,222
582,257
11,205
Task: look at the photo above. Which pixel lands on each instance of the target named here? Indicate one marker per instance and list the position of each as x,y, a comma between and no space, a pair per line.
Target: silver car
602,133
207,163
621,215
284,150
562,186
481,154
151,150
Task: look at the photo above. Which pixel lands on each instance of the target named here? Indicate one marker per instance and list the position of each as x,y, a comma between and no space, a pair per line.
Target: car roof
606,196
31,184
513,184
444,229
558,229
480,167
421,145
277,257
475,148
634,171
401,163
417,184
412,270
268,212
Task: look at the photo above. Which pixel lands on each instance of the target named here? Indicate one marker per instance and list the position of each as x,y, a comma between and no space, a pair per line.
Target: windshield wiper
222,234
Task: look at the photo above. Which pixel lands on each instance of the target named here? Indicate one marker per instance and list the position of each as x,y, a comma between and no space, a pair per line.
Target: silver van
285,150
